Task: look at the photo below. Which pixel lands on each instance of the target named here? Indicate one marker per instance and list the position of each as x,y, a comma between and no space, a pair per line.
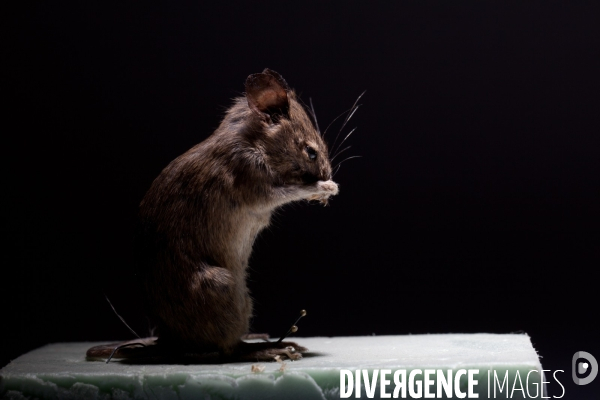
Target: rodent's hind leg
153,349
137,348
268,351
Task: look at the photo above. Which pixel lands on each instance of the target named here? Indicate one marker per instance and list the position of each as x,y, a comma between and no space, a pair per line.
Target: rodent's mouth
308,178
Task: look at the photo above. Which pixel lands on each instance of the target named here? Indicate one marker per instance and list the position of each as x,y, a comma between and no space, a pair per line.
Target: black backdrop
474,207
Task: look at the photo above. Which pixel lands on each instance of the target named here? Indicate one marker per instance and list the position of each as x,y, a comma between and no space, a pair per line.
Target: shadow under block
61,370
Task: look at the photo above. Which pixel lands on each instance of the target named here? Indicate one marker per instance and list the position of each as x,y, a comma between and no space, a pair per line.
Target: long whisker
342,142
346,159
335,119
345,122
340,152
350,114
335,171
339,165
312,110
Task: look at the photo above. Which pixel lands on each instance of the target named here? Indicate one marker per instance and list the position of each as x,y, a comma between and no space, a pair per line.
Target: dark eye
312,153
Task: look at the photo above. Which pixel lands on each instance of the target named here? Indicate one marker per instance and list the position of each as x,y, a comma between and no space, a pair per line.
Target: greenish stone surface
61,371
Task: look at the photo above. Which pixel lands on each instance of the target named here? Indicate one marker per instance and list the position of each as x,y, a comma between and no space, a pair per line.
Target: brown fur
199,220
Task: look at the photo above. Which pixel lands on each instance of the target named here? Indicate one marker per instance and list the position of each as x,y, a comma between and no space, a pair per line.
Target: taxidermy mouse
201,215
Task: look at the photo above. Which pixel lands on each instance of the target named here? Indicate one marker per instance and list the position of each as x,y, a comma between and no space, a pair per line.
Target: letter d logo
583,367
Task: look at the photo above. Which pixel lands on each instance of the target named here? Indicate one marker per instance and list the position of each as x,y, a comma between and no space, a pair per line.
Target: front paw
324,189
328,187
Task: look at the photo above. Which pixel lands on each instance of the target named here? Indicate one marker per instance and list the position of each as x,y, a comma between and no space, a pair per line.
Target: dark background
474,207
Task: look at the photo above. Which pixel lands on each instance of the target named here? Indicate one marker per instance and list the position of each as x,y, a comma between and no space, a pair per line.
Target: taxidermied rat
199,220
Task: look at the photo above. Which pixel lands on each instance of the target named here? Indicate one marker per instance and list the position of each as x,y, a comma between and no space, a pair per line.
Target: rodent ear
279,78
267,94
